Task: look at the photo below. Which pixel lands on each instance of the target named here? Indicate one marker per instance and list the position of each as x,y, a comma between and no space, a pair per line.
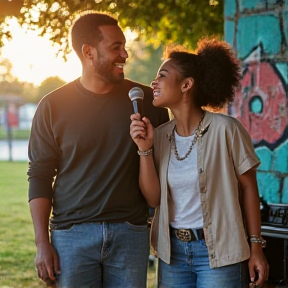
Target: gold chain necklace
196,137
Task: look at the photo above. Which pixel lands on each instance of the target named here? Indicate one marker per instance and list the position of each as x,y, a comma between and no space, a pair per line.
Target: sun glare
34,57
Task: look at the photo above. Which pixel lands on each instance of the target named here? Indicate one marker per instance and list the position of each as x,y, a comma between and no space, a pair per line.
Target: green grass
17,134
17,249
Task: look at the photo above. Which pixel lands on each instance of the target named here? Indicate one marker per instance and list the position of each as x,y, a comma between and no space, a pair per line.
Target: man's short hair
85,30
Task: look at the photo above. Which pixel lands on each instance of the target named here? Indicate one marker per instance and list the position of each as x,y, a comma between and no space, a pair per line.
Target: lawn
16,231
17,247
16,134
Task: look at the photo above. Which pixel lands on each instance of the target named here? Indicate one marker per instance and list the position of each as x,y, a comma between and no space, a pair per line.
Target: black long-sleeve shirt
81,155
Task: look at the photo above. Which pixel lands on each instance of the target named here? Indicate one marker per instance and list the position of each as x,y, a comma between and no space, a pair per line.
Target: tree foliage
143,62
10,85
159,22
5,70
48,85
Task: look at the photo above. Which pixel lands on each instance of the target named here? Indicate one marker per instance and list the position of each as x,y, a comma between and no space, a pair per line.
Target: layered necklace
198,134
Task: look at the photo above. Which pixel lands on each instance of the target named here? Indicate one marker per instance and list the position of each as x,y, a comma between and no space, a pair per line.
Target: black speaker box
276,258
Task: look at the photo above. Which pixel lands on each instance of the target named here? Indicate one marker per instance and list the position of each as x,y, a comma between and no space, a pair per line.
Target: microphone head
136,93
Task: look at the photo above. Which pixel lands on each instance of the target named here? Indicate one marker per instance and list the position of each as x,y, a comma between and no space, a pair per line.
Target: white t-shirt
184,205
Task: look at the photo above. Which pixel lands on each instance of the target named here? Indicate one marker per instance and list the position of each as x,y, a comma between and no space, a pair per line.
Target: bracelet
145,153
256,239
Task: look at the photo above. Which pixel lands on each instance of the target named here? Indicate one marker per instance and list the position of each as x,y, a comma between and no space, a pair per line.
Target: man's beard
104,68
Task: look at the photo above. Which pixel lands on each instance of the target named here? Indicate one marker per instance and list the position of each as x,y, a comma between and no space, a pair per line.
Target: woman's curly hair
215,69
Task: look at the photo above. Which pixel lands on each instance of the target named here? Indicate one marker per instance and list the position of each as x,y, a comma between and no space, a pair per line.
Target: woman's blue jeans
109,255
189,268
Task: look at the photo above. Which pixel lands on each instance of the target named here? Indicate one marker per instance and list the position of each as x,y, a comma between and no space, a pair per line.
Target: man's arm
46,260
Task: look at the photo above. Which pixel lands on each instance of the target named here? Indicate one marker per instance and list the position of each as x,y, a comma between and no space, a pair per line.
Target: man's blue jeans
189,268
109,255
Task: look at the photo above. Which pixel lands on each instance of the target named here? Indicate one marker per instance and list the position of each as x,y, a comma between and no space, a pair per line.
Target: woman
205,166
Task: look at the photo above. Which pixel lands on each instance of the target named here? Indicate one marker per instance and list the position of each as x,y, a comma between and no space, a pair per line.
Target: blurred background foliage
159,22
156,24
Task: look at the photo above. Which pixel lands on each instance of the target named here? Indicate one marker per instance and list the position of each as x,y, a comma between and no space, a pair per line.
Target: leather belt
187,235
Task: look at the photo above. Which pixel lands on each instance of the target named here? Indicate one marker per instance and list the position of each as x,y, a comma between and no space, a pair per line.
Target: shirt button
200,170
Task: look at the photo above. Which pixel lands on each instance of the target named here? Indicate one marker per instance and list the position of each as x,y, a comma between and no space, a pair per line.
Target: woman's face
167,85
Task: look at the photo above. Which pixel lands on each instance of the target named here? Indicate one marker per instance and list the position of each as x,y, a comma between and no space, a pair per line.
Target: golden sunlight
34,57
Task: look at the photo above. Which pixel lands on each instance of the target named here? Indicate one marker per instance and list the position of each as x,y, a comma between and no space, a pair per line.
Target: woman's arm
149,181
142,133
251,209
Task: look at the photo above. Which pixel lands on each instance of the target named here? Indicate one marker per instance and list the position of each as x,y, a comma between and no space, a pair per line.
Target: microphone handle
135,106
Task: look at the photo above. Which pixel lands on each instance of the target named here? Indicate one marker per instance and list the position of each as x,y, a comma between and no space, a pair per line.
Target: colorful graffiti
261,102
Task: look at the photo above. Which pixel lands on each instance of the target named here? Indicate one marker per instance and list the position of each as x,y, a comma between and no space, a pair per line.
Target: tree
143,62
10,85
48,85
160,22
5,70
8,8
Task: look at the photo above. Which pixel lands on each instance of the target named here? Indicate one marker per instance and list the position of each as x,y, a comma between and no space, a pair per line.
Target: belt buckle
184,235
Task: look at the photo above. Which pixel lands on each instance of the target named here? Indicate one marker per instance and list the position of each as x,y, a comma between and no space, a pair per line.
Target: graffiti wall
258,32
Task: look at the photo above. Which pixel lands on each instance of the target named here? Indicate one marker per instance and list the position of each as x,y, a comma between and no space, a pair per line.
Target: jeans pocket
135,227
202,241
64,229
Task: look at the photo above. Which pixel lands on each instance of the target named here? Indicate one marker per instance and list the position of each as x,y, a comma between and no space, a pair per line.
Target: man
84,169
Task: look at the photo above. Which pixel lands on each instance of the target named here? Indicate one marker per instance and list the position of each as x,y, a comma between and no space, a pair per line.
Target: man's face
110,55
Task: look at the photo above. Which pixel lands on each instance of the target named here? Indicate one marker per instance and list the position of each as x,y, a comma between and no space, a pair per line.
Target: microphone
136,95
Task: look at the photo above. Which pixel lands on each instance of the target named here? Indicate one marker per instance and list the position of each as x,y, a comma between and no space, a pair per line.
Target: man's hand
46,264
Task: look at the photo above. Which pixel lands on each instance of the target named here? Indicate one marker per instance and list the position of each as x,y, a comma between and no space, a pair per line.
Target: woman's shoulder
224,123
224,120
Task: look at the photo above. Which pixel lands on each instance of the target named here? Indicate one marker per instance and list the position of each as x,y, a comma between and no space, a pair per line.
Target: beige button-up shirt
224,151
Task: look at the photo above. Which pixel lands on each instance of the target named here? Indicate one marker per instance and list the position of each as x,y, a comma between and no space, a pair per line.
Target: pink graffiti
260,104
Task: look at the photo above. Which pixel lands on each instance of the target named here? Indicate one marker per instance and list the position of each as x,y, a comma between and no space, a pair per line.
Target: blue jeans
109,255
189,268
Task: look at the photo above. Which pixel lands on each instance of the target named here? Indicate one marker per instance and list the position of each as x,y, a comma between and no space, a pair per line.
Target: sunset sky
34,57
